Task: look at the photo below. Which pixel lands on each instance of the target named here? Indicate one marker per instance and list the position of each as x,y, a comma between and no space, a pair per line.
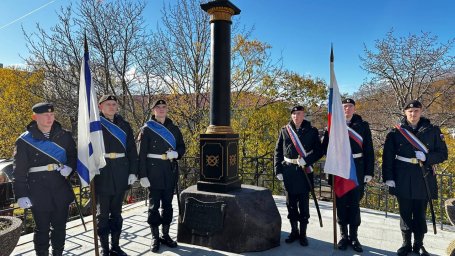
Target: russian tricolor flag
339,160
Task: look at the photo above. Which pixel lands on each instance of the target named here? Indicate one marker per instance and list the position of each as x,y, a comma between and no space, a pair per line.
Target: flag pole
334,211
95,229
334,217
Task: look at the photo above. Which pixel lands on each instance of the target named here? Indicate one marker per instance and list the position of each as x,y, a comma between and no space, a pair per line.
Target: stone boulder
244,220
450,210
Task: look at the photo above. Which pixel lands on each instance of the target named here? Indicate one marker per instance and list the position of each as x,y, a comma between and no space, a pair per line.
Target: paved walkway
378,234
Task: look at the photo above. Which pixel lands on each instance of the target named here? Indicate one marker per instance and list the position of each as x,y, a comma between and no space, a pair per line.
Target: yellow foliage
16,101
448,167
258,126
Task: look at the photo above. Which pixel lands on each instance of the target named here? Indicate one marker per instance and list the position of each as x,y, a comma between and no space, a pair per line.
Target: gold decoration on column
233,160
219,129
212,160
220,13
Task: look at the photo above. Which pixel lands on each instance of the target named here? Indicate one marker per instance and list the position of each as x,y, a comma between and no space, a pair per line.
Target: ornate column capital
221,13
220,10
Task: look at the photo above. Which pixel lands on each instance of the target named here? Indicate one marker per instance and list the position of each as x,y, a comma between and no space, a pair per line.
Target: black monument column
219,145
219,212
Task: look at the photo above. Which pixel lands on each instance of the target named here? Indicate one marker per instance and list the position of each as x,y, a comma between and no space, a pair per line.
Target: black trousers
53,222
413,215
157,198
298,207
109,213
348,207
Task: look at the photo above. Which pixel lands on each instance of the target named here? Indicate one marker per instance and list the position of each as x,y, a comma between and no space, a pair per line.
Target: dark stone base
219,187
251,221
450,209
10,236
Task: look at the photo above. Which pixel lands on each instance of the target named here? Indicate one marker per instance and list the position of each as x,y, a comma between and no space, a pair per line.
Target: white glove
390,183
24,202
131,179
171,154
367,178
145,183
421,156
279,176
65,170
301,162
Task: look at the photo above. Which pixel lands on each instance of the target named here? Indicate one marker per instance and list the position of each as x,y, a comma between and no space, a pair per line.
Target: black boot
104,240
42,253
303,238
115,248
354,238
418,245
155,246
166,239
406,246
294,235
344,241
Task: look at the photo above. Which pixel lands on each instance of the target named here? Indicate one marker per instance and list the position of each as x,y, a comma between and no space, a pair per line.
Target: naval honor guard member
161,144
296,171
348,205
415,141
44,156
114,179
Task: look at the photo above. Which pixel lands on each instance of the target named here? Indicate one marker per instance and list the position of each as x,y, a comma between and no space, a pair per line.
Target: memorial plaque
203,218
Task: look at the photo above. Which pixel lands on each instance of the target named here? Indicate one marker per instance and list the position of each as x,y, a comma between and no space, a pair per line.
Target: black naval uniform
409,183
49,192
295,182
111,184
161,174
348,206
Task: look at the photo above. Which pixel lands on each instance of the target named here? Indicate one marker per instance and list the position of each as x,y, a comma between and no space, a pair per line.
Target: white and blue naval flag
90,143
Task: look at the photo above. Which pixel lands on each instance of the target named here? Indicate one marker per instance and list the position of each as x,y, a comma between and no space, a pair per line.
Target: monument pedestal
242,220
219,163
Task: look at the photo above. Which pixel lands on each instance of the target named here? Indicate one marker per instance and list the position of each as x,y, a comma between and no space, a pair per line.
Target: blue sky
300,31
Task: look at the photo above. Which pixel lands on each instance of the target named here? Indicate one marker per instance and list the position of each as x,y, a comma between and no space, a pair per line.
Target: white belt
158,156
292,161
407,160
358,155
114,155
296,160
49,167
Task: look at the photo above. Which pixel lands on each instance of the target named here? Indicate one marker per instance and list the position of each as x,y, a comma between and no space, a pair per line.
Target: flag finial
331,53
85,42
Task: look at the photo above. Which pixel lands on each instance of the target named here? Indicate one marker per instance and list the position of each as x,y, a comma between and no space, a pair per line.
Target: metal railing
256,171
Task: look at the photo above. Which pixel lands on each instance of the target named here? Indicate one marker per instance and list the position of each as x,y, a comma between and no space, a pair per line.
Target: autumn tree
139,66
258,115
413,67
118,39
16,101
181,60
258,126
182,45
447,168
